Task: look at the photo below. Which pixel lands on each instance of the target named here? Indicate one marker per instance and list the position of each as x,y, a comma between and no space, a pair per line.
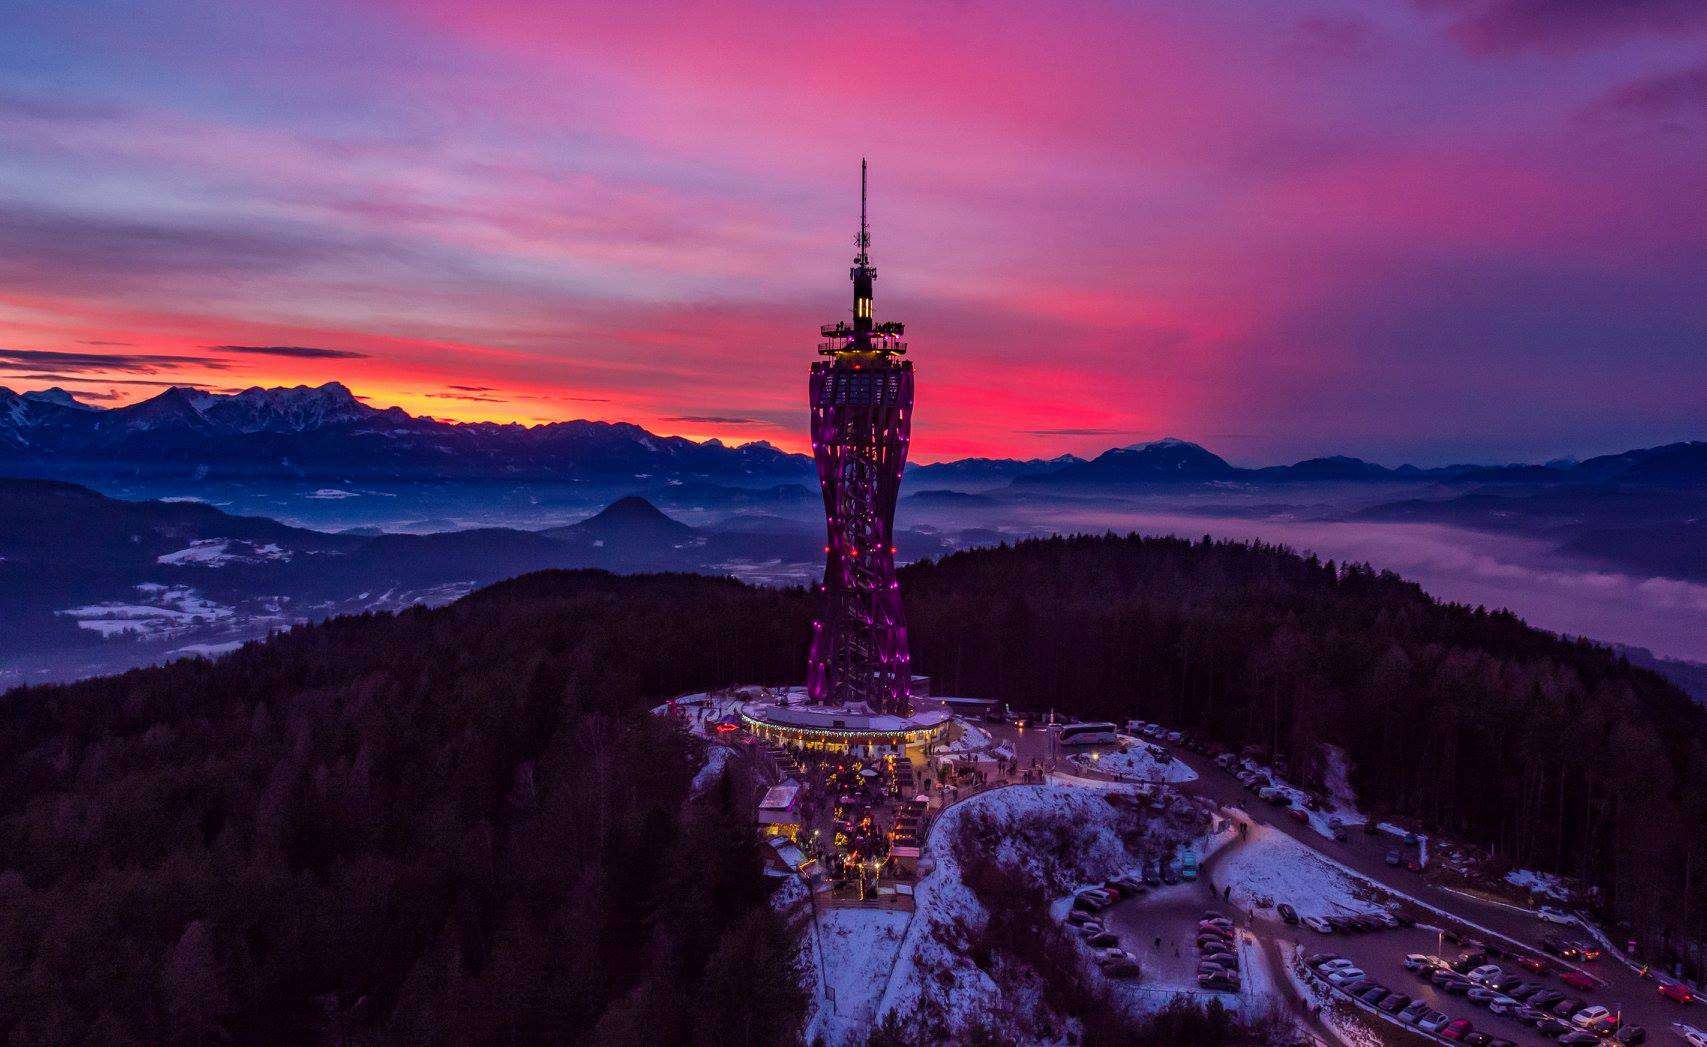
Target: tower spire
864,240
863,273
865,334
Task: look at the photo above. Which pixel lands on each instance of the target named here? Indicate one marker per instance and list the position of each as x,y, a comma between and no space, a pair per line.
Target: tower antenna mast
864,230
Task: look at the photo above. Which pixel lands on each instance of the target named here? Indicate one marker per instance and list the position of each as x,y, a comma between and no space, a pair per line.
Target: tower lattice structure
862,413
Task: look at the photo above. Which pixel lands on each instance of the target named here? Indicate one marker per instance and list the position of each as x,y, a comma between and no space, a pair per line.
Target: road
1636,998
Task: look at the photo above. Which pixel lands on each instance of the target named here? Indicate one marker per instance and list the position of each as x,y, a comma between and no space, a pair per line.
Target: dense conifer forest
459,825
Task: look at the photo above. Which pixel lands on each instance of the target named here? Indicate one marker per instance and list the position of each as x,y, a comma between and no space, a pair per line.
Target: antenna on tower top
864,241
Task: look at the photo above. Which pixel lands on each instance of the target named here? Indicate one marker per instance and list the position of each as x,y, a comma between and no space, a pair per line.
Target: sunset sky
1423,230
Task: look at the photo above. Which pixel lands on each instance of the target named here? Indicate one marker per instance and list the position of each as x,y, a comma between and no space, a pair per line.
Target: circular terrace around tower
839,729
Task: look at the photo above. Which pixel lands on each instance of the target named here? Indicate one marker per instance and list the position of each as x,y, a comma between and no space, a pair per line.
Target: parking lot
1381,953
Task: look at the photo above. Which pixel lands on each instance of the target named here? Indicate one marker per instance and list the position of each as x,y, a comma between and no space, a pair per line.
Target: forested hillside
1560,754
460,826
451,826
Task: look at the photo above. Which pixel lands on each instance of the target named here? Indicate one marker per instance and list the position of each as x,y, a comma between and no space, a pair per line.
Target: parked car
1481,995
1103,940
1455,1029
1677,992
1344,976
1579,980
1091,928
1578,1038
1417,962
1395,1002
1218,982
1393,859
1317,924
1533,964
1335,965
1297,814
1554,914
1374,995
1288,914
1595,1018
1505,1005
1554,1027
1525,991
1413,1011
1486,973
1433,1021
1127,968
1567,1007
1477,1038
1631,1034
1545,999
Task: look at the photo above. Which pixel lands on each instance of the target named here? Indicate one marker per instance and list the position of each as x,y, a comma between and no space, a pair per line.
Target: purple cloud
1662,93
135,363
301,352
1486,26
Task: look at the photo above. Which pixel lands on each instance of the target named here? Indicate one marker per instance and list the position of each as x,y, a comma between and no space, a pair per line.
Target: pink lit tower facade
862,414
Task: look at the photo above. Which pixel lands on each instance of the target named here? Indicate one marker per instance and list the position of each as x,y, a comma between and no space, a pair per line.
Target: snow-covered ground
1341,806
1137,762
1064,835
849,955
971,738
1539,883
205,650
716,758
158,611
1270,867
700,713
221,552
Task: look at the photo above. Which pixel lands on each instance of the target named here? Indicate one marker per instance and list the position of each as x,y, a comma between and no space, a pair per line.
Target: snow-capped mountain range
327,431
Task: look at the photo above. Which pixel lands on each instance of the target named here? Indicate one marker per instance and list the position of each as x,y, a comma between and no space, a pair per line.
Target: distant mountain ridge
1175,461
326,431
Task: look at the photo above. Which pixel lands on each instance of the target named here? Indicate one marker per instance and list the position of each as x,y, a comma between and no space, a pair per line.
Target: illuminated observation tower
862,413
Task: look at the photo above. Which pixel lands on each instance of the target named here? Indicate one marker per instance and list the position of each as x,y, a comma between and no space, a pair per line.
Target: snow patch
1545,884
163,610
1139,762
716,758
1270,867
222,552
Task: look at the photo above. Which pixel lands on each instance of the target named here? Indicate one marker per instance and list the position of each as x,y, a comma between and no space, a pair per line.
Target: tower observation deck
862,411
